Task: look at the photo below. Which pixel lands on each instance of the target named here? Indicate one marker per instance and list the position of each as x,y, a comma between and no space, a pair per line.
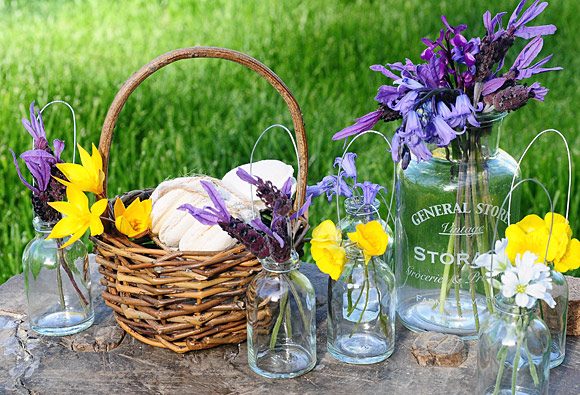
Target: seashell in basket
177,229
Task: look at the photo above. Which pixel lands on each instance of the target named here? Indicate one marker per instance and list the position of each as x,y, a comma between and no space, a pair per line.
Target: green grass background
204,115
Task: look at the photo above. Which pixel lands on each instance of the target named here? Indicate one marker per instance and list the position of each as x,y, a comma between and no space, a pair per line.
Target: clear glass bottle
281,310
447,209
513,352
556,318
57,283
362,303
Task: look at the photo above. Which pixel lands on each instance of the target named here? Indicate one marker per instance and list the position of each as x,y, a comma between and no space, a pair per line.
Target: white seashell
270,170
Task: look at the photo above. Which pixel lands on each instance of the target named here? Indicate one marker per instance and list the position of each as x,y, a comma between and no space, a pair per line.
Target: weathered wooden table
102,360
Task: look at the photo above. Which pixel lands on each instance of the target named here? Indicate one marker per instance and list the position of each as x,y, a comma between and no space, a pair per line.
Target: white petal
522,299
536,290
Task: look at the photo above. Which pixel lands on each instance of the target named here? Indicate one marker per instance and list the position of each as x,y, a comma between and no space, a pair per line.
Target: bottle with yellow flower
550,239
361,287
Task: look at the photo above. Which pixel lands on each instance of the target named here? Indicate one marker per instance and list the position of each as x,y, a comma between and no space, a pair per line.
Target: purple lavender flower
369,191
347,164
518,20
273,198
209,215
36,128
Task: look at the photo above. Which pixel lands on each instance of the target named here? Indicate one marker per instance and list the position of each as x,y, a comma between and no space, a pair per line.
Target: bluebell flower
369,191
347,164
364,123
330,185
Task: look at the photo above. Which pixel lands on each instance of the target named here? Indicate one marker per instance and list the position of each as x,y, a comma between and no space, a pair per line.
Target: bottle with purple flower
452,177
280,301
56,270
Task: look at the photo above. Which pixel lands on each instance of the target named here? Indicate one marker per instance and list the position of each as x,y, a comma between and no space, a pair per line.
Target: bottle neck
363,212
270,265
481,141
508,306
42,228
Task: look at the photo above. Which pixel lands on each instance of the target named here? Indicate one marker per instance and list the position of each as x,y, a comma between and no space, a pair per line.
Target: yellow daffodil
77,216
571,259
87,177
533,233
135,220
329,255
371,238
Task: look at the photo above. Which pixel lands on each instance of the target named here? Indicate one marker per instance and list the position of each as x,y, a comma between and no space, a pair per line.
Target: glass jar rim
508,306
42,226
354,204
270,265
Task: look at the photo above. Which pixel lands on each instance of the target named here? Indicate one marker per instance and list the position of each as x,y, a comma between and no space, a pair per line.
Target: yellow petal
531,223
96,225
571,259
558,220
96,159
99,207
65,208
329,259
371,238
119,208
65,227
74,238
326,231
86,159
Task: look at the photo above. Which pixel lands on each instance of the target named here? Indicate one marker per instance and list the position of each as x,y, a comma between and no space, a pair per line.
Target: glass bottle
281,310
57,283
361,304
447,211
556,318
513,352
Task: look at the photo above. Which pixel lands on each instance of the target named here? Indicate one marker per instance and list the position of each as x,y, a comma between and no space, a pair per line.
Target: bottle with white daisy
514,343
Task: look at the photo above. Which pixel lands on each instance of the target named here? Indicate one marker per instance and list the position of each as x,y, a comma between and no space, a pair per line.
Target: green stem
349,294
278,323
521,332
446,271
501,356
349,312
298,302
457,283
59,287
368,291
533,371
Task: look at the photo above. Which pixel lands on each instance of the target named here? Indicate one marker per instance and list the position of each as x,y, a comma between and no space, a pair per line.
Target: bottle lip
42,226
271,265
485,119
355,205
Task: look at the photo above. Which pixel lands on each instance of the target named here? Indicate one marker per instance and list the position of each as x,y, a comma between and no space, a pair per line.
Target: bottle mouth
42,226
508,306
271,265
356,206
488,118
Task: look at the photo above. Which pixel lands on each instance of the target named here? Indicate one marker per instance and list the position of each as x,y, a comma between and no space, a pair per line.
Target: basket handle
208,52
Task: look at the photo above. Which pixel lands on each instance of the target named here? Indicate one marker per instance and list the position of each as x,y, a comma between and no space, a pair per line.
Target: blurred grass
204,115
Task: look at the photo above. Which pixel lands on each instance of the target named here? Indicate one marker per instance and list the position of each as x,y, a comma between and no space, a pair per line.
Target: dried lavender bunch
274,240
41,163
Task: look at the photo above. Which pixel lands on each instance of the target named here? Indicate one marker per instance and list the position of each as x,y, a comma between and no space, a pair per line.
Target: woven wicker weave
182,300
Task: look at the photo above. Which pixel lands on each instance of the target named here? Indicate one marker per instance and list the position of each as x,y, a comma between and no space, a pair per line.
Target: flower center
521,289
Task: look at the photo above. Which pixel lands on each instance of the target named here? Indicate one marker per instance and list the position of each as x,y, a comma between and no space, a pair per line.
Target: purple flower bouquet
452,177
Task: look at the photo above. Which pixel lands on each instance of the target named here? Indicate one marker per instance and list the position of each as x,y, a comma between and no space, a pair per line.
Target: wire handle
73,119
390,205
208,52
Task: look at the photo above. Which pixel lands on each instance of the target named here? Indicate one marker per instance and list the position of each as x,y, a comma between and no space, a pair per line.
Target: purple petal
388,94
369,191
258,224
362,124
287,187
39,163
526,32
217,200
395,147
58,148
529,53
245,176
203,215
386,72
487,22
302,210
537,91
492,85
515,15
347,164
533,11
443,131
22,179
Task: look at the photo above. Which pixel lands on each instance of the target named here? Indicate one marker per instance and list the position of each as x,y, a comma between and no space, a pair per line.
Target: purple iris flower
369,191
364,123
347,164
518,20
521,67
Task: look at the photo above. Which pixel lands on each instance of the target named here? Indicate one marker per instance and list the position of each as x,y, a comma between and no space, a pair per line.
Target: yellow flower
371,238
135,220
533,233
89,176
77,216
571,259
329,255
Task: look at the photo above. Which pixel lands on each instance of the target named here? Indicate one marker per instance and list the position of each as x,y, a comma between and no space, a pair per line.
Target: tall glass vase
362,303
513,352
556,318
447,210
281,310
57,283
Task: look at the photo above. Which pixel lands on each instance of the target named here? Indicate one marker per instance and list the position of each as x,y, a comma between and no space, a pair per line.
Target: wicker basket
182,300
